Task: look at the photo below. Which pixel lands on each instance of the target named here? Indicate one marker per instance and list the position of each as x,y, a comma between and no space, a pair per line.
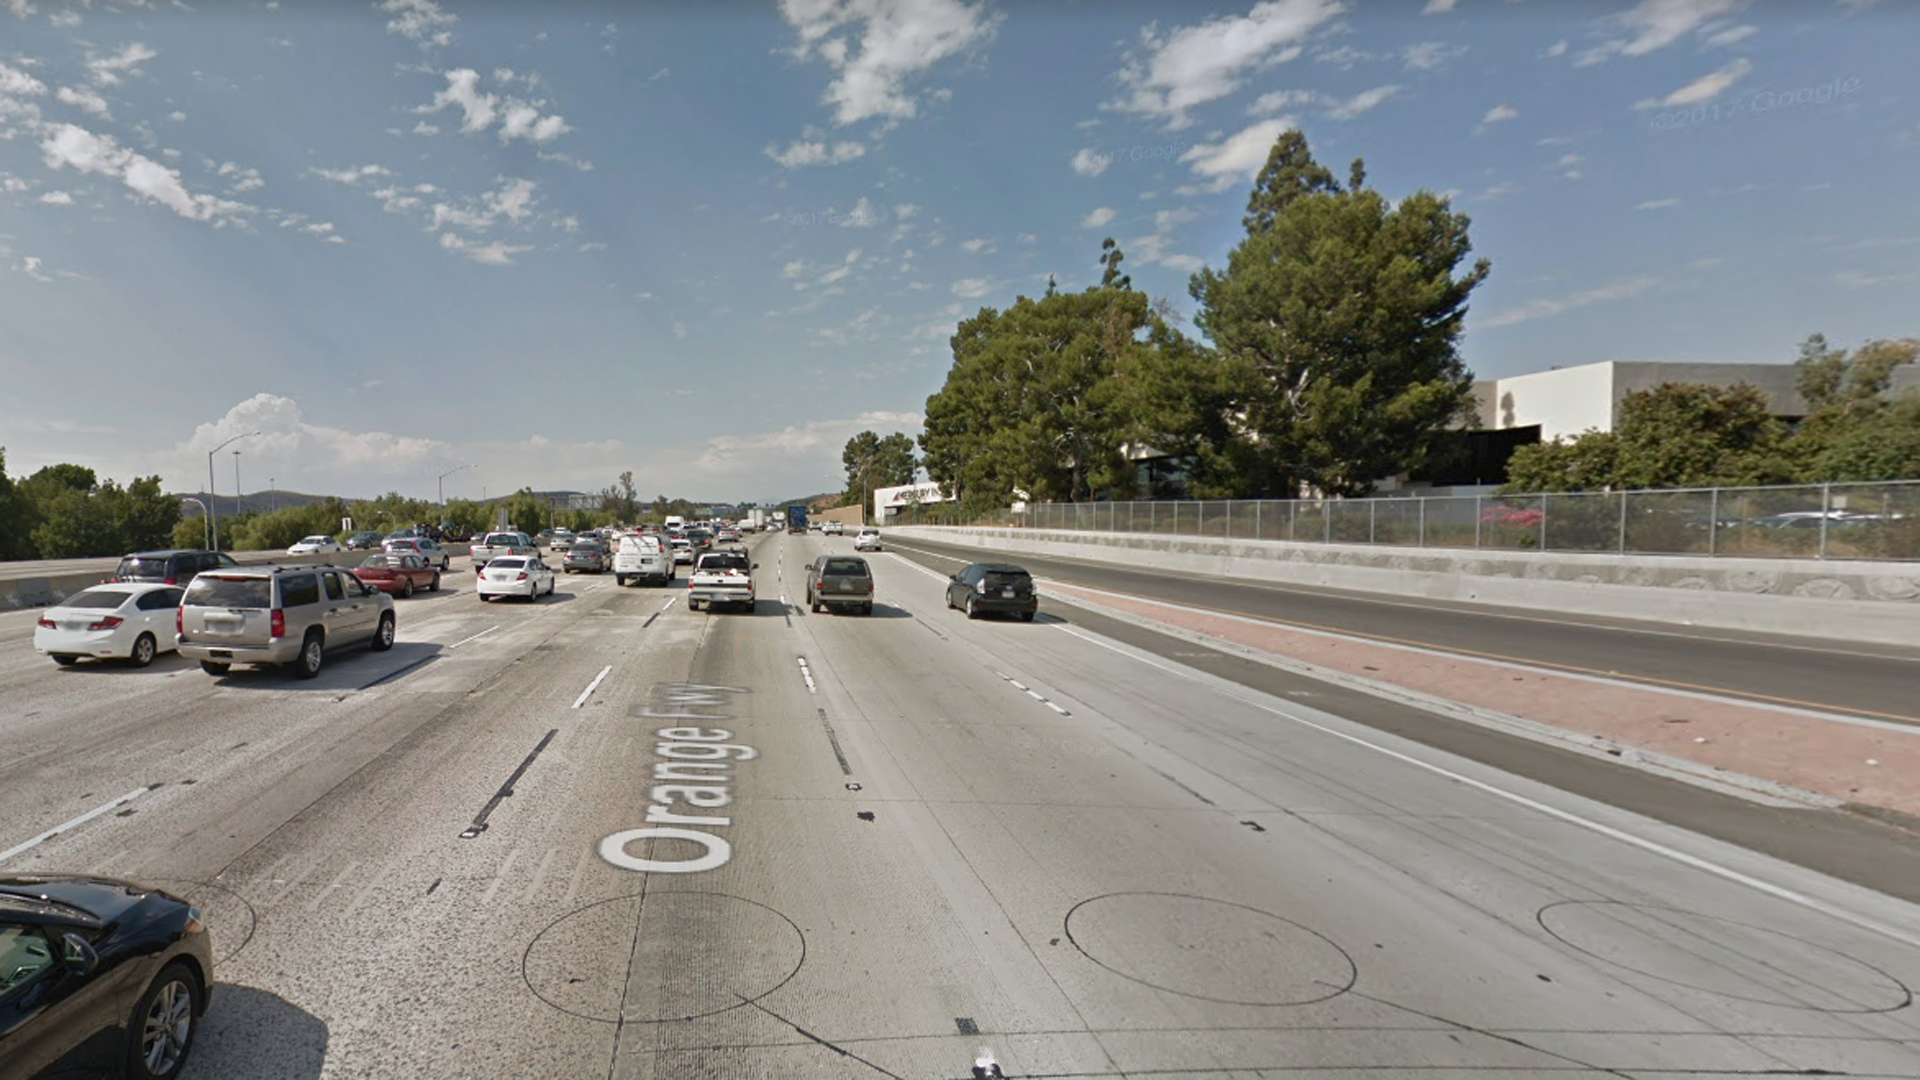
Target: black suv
173,567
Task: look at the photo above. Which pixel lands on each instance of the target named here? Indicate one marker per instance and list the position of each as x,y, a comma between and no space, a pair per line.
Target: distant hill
258,501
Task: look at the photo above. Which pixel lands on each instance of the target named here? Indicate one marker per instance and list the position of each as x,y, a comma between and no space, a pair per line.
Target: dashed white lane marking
1034,694
669,603
807,674
591,687
75,823
1608,831
475,637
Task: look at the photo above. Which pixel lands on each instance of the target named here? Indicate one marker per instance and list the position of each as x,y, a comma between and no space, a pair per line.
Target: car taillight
173,581
108,623
521,576
46,622
180,621
277,623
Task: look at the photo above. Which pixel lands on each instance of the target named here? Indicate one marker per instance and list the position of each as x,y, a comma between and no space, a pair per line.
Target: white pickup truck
643,558
721,577
497,545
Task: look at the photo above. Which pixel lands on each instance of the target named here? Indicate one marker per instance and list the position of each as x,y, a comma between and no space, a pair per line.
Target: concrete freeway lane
1874,681
893,843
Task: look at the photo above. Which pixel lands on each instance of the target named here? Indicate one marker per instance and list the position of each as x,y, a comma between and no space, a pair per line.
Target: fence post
1373,516
1826,514
1477,499
1174,529
1713,522
1543,523
1326,517
1256,520
1622,550
1293,520
1422,541
1229,535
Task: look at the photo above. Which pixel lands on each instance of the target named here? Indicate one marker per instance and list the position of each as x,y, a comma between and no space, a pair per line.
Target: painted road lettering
695,774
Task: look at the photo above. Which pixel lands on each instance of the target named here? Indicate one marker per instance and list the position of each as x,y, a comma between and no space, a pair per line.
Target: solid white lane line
591,687
1034,695
1608,831
475,637
1058,709
74,824
807,674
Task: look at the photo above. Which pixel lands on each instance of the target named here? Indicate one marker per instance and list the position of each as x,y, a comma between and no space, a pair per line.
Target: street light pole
440,484
203,513
273,497
238,504
213,518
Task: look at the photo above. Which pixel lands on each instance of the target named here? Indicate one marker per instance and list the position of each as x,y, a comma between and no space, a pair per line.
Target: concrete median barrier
28,585
1845,601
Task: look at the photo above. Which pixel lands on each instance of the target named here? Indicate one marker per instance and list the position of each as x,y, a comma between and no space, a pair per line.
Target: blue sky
555,241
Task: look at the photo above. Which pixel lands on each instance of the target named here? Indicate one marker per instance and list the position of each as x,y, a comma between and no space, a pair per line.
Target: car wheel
163,1024
214,667
866,609
313,653
483,597
972,612
1026,616
63,660
949,599
406,589
435,587
144,648
383,637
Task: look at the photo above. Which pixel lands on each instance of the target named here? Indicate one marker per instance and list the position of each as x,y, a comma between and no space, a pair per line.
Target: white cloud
241,180
30,266
177,116
1558,48
1192,65
1090,162
423,128
1705,88
1499,114
1028,238
1731,35
1656,24
67,145
523,121
477,110
1344,57
19,84
1186,264
680,331
862,216
971,288
497,253
801,153
1098,218
1277,100
1547,307
1856,279
64,20
1498,191
108,69
57,198
905,211
422,21
1658,204
896,41
1428,55
86,101
979,245
1361,102
809,449
1438,7
1236,159
352,174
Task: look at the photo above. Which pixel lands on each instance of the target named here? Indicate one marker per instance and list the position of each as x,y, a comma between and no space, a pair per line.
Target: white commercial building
887,501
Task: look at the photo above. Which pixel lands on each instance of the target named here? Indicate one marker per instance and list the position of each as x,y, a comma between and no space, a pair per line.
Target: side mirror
78,955
953,577
756,566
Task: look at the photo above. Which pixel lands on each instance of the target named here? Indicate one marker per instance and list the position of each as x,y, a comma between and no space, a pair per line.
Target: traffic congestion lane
1864,680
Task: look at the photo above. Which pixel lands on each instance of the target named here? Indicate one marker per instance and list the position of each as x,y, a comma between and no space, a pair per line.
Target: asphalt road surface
893,844
1869,680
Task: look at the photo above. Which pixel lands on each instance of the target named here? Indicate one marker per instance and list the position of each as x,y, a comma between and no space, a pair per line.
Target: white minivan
642,558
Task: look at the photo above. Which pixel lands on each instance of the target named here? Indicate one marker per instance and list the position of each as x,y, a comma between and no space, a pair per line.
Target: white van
675,523
642,558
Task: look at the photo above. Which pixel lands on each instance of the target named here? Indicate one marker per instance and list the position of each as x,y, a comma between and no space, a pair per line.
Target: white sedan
515,575
316,545
131,621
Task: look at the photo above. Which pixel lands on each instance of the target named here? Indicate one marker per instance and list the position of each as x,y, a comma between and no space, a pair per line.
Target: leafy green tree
16,517
1030,404
189,532
526,511
1853,431
873,462
1110,260
145,518
72,524
1671,435
1337,322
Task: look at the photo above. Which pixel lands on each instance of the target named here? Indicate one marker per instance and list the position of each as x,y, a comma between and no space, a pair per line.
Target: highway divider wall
1845,601
48,589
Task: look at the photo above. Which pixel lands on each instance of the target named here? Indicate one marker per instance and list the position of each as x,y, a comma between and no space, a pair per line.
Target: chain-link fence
1827,521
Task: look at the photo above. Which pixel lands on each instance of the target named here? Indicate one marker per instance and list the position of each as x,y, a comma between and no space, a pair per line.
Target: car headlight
195,924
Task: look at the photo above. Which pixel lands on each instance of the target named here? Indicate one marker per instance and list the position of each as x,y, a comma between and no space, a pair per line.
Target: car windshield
96,599
588,547
150,566
724,562
998,579
318,540
376,562
845,568
232,592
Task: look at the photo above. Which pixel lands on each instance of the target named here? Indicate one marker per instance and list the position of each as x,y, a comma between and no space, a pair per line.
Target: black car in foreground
98,977
986,588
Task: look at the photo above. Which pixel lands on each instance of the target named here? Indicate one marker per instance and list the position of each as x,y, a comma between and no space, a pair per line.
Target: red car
398,574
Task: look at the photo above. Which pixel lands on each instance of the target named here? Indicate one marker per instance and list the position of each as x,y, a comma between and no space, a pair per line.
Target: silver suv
279,615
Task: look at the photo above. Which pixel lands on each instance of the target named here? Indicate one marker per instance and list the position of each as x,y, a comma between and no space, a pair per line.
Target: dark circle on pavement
1719,956
229,917
1210,950
712,952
